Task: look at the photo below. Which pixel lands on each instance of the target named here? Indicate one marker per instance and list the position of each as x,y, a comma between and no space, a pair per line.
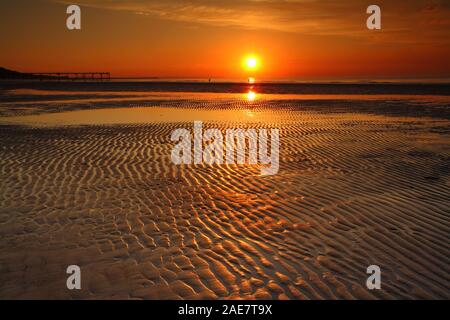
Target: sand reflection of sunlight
251,96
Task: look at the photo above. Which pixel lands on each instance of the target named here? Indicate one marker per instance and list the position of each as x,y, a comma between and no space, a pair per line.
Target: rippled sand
354,189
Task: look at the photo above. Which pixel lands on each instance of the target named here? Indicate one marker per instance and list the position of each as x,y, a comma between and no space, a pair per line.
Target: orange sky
294,39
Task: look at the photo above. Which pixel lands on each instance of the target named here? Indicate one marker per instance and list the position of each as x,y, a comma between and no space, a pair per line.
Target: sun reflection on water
251,96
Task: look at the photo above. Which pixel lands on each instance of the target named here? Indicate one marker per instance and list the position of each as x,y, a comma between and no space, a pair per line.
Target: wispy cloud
324,17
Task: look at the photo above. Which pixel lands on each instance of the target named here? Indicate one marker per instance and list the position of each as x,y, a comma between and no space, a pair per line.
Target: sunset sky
293,39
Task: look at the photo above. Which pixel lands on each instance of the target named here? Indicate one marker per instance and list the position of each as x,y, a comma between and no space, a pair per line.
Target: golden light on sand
251,95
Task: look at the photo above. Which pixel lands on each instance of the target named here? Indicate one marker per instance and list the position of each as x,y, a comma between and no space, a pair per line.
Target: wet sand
358,185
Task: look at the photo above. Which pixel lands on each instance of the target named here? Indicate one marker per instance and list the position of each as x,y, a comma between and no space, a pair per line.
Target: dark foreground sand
354,189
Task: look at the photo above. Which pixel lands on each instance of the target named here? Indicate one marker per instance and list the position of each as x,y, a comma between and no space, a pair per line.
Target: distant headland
6,74
10,74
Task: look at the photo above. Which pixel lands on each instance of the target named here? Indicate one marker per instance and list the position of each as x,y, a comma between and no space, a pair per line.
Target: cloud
281,15
314,17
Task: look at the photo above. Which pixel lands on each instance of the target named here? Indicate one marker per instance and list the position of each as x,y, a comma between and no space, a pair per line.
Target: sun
251,62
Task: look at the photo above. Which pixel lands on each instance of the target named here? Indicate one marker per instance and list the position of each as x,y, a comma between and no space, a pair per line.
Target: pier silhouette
73,76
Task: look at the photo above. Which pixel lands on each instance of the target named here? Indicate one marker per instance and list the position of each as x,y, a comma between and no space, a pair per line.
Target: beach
86,178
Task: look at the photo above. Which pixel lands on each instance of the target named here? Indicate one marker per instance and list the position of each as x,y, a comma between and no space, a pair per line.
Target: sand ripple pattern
353,190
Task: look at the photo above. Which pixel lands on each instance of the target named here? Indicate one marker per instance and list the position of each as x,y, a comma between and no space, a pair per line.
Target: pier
73,76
